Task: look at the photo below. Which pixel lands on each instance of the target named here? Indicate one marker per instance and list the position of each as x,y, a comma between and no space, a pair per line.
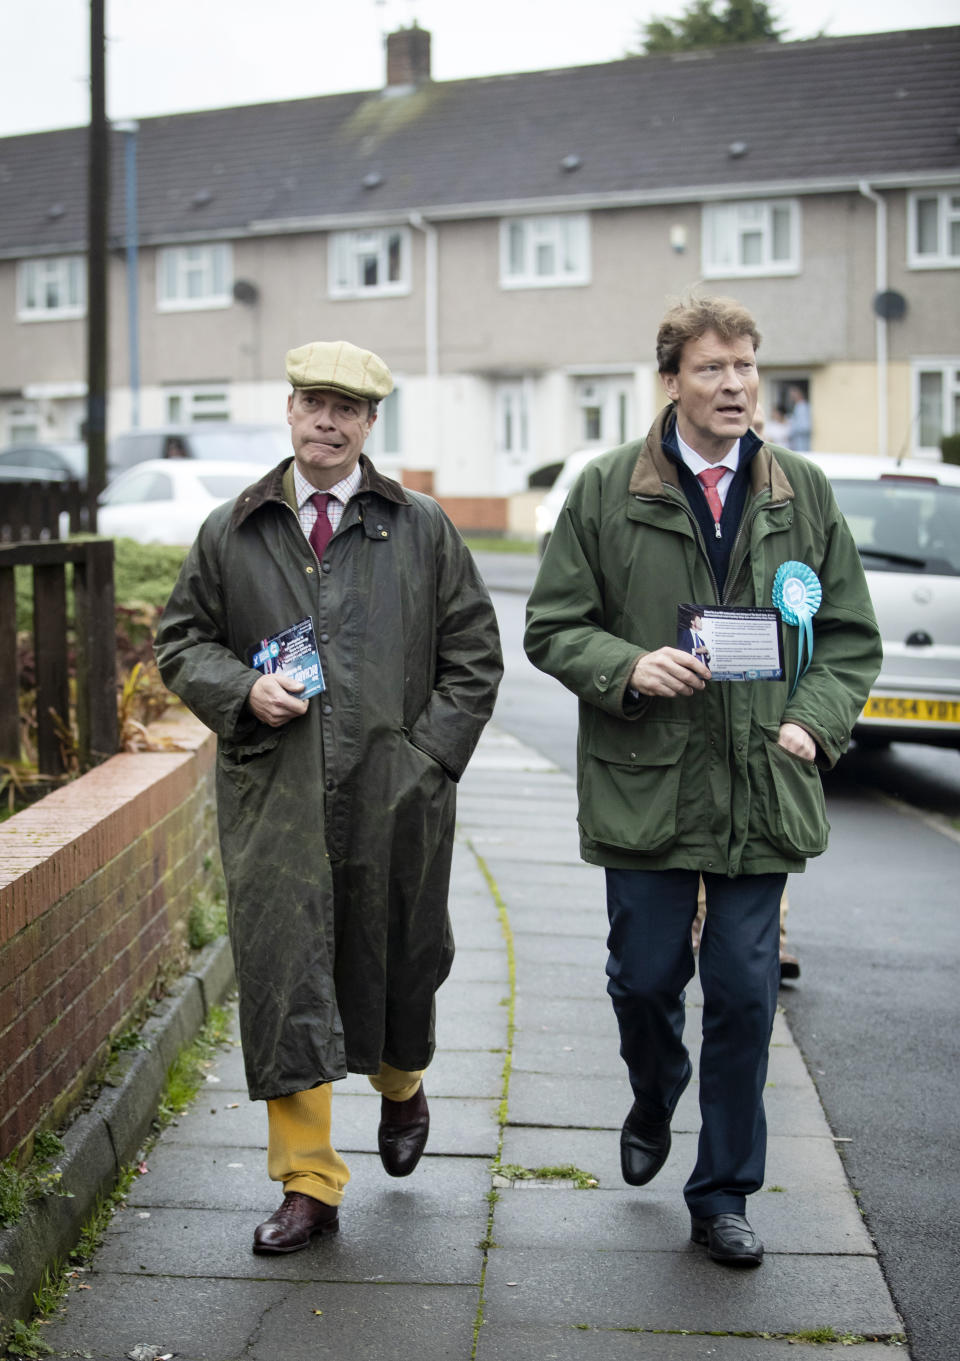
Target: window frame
207,301
348,247
545,229
946,215
948,369
59,266
388,430
184,404
767,267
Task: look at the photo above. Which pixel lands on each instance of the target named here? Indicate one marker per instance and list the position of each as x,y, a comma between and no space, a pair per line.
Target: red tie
322,531
708,480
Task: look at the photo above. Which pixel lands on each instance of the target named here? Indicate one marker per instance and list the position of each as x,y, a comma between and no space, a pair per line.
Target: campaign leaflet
736,644
294,652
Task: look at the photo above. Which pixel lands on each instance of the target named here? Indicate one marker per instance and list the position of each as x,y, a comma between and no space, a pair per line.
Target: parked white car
905,517
167,500
545,515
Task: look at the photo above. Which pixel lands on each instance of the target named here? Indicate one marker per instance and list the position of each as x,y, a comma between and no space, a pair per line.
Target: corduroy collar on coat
654,466
277,485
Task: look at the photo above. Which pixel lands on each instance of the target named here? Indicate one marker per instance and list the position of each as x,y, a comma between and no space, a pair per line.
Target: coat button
603,680
330,786
309,571
324,567
324,637
328,708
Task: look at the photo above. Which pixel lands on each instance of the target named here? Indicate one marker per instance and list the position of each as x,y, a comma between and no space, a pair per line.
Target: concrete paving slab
684,1289
221,1320
236,1179
479,964
536,949
388,1237
467,1073
627,1220
521,1342
198,1320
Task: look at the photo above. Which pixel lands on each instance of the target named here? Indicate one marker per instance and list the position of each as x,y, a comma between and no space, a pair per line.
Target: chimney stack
408,56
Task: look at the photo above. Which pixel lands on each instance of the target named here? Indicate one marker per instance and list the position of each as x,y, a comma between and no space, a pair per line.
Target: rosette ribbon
797,594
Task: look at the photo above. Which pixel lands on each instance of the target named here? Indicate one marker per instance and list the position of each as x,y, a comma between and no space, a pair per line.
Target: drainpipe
431,326
431,320
880,323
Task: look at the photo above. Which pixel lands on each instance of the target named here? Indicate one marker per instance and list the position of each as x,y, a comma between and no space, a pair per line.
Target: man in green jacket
680,775
336,811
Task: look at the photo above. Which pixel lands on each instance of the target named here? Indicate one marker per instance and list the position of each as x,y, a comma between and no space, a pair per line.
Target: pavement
458,1261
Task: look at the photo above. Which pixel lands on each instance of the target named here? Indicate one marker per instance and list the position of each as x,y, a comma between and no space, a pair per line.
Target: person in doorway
798,421
681,777
336,813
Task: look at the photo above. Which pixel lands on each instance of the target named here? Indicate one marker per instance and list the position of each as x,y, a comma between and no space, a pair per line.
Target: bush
950,448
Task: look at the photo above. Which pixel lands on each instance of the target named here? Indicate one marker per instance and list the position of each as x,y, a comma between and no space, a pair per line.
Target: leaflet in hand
294,652
735,643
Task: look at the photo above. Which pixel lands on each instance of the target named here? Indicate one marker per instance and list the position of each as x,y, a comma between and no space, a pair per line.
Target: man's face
328,430
715,391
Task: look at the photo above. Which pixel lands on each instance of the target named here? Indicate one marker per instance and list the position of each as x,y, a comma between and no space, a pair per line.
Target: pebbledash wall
96,883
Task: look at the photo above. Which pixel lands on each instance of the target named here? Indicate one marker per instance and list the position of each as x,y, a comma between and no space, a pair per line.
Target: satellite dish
890,305
246,292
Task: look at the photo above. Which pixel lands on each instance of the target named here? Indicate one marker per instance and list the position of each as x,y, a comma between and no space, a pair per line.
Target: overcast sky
169,56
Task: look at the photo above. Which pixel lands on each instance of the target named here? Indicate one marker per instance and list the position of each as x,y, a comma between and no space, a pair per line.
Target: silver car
905,517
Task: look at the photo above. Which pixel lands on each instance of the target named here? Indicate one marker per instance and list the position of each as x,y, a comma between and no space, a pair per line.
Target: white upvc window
513,417
545,252
53,288
933,229
194,277
197,404
384,444
370,263
751,237
936,402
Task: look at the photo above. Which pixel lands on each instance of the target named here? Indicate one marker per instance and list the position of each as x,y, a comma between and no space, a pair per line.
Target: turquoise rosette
797,594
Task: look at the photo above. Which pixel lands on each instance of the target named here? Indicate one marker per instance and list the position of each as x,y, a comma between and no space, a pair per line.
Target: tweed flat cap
339,365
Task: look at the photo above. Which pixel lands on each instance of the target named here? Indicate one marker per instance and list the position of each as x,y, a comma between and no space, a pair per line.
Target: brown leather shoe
402,1136
292,1226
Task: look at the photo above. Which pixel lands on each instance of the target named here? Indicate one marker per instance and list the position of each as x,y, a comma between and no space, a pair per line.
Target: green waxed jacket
336,830
698,782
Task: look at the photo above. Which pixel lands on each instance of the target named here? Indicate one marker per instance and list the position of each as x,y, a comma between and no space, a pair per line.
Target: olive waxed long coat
336,830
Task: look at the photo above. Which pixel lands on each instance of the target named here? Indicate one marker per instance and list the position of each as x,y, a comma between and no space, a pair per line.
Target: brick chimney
408,56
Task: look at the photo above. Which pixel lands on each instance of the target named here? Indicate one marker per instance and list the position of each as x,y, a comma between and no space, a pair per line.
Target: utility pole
98,199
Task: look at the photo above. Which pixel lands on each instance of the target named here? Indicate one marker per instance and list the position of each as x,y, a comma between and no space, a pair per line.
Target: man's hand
797,740
274,699
669,672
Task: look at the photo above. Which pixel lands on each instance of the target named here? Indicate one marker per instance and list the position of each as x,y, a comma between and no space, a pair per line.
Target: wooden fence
31,515
33,510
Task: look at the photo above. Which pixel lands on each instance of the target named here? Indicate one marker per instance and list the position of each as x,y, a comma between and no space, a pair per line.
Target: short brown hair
693,318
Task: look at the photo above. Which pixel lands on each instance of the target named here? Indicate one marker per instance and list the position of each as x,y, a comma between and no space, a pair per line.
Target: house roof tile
831,110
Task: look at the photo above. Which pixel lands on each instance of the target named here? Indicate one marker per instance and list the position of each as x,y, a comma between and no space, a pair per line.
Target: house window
747,238
936,403
933,239
194,277
51,289
605,410
369,263
544,252
196,405
384,442
513,418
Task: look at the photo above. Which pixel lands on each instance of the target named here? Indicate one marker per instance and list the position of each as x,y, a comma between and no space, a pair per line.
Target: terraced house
509,244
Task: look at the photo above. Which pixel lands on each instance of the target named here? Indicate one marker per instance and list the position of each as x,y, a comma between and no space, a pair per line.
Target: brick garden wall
96,884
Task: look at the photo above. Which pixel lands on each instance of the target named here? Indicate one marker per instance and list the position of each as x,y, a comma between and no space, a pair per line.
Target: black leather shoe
727,1238
643,1148
292,1226
402,1136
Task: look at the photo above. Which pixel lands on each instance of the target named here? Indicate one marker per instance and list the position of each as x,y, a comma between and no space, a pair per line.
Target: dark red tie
321,532
708,480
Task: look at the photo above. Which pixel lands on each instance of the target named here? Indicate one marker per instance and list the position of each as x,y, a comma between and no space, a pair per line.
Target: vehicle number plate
904,709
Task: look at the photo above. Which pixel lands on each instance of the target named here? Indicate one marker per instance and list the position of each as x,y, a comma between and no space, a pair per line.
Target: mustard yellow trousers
299,1150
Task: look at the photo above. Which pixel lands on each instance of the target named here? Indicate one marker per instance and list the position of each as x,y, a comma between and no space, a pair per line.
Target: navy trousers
650,963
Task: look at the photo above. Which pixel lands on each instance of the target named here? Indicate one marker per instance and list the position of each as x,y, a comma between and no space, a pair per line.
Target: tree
701,25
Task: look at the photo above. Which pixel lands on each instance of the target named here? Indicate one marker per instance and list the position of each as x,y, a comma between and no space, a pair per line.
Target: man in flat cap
336,810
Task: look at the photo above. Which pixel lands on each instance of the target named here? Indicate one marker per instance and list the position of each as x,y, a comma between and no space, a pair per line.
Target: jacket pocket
797,811
239,753
630,782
